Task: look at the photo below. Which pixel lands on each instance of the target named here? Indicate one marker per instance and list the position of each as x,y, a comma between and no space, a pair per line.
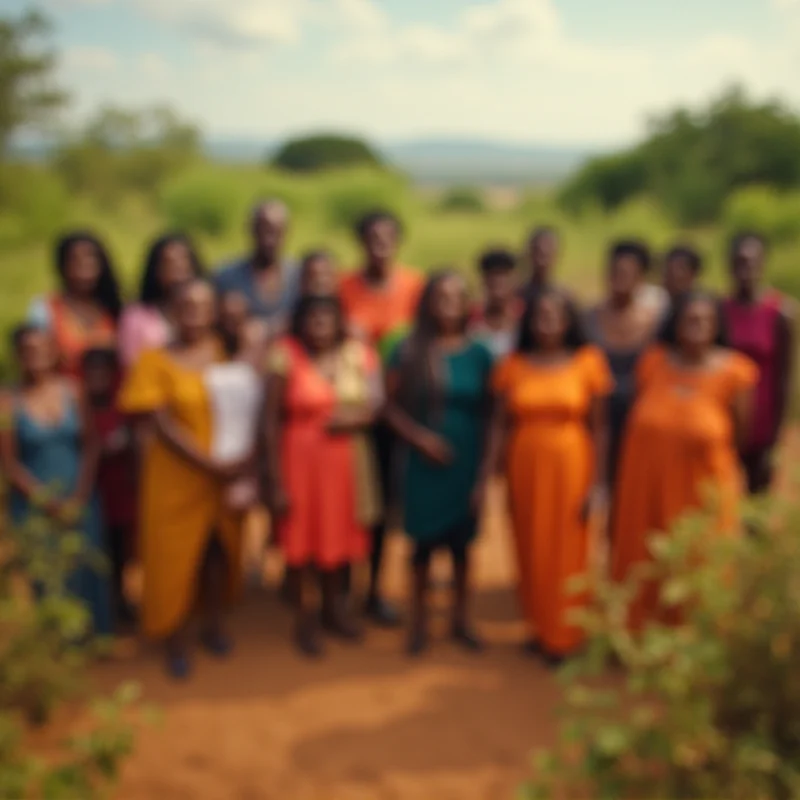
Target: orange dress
679,441
331,500
550,469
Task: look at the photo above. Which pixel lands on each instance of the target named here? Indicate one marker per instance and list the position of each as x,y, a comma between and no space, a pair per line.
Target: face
498,285
82,269
624,276
698,325
549,322
233,313
678,276
99,379
269,229
195,310
449,304
36,353
381,241
319,276
175,266
748,264
320,327
542,253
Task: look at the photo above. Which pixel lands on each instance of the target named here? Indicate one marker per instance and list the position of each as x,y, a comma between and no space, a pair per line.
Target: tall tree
29,96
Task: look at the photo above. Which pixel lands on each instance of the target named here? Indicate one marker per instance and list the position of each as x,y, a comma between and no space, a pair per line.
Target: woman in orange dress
693,408
83,315
323,392
551,421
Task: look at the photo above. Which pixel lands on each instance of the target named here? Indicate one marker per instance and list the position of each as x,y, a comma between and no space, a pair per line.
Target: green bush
353,194
709,708
775,214
463,200
324,151
200,204
33,203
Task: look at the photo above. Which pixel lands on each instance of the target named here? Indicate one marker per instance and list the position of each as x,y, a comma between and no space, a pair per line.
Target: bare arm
90,451
355,418
786,356
598,425
271,426
496,440
742,412
16,474
177,440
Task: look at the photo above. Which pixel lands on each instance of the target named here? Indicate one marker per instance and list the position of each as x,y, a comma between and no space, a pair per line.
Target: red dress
320,471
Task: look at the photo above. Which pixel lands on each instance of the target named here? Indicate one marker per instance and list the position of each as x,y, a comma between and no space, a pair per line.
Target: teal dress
437,499
52,454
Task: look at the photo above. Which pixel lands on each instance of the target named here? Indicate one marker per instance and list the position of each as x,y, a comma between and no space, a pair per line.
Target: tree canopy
324,151
28,94
692,160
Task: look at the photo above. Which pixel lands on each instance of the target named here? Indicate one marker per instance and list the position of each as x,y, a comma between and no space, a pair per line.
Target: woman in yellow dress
191,535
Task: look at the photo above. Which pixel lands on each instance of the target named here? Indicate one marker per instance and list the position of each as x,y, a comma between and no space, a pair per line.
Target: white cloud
153,65
89,59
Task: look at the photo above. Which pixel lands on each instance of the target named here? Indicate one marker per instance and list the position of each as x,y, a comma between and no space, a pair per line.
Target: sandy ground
365,722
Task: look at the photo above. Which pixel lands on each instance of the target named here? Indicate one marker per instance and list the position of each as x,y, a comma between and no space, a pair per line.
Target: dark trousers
758,471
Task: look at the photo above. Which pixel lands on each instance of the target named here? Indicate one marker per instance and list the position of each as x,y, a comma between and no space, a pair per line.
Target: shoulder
411,281
350,282
135,314
740,369
228,272
590,355
479,352
506,372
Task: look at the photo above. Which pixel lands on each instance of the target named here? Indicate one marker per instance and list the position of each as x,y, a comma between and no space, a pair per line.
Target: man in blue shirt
269,281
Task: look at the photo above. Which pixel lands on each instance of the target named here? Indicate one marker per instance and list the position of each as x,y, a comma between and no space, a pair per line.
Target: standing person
495,321
692,411
438,402
550,421
268,280
83,314
190,534
761,325
318,274
323,393
171,261
49,453
380,300
683,266
541,257
116,476
622,328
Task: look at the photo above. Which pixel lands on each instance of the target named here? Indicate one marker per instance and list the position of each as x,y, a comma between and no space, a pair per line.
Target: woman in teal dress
437,389
49,458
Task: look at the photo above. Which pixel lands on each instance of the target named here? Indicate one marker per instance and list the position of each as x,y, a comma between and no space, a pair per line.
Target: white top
236,392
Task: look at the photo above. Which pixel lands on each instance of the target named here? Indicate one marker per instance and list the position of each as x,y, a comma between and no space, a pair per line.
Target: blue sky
540,71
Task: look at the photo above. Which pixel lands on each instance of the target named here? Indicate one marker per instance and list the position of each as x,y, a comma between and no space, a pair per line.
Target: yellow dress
180,506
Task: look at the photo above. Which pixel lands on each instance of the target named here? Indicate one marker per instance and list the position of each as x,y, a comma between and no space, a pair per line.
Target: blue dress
52,454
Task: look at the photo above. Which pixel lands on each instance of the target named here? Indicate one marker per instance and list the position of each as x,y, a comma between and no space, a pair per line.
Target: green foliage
43,659
121,150
325,151
462,199
33,203
708,708
198,204
775,214
346,201
692,160
28,96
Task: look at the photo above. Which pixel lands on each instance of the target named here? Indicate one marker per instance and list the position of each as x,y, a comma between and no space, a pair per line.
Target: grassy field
216,198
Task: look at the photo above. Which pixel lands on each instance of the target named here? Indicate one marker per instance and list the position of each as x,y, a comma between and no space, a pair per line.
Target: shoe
552,661
179,666
308,642
531,648
417,643
217,643
382,614
341,626
467,639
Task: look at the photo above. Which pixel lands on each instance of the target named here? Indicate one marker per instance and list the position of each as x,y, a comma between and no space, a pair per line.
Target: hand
228,471
478,497
597,498
278,502
435,448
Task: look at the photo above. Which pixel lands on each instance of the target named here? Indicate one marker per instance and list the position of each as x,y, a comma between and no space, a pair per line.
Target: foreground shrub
707,709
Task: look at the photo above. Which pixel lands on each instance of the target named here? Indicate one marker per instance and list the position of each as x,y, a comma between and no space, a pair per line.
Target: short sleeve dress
550,469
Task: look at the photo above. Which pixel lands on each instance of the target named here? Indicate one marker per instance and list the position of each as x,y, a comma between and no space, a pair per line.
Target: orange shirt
378,311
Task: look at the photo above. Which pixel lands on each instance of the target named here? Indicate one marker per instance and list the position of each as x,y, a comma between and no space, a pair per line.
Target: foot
466,638
532,648
285,592
179,666
417,642
307,640
382,613
341,625
217,643
553,661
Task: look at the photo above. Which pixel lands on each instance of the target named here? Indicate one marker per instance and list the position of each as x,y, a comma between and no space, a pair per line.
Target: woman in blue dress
49,458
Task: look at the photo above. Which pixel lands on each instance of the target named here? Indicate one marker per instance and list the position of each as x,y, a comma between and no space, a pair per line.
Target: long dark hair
575,334
421,378
669,331
106,292
151,292
308,303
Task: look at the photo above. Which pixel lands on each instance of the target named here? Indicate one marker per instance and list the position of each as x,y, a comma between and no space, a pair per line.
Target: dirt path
363,723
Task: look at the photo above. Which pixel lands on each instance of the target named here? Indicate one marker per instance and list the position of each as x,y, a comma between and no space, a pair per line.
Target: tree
692,160
28,95
325,151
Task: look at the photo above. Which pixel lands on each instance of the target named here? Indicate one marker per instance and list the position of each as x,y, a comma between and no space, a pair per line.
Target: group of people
347,404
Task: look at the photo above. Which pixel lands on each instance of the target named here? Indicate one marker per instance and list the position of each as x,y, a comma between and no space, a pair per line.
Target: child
116,476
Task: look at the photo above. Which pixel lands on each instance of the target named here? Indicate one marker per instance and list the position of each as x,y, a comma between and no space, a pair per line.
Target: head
550,323
317,273
748,253
318,322
170,262
85,271
101,372
497,273
195,310
35,352
233,314
269,222
628,263
543,247
696,324
444,306
682,268
380,234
